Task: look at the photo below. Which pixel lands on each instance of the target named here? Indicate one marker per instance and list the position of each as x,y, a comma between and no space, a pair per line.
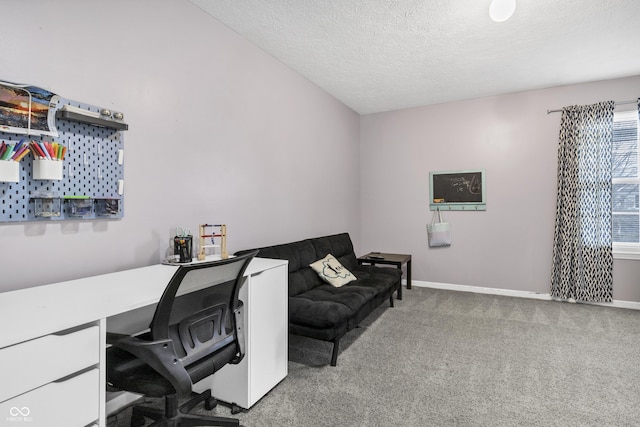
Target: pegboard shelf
92,172
96,121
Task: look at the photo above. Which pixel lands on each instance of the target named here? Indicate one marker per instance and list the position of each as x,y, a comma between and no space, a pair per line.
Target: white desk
62,328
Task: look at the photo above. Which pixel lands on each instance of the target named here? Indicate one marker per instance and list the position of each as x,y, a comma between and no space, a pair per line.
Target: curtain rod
617,103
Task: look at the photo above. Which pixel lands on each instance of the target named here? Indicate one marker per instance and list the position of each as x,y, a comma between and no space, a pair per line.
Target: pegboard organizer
90,169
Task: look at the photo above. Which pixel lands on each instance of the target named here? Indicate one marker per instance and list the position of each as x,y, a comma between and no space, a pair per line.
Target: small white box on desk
9,171
47,169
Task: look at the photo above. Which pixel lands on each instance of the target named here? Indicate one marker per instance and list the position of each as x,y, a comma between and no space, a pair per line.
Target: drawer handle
74,329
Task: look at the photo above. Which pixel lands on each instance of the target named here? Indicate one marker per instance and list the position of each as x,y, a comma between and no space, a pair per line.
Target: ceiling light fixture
501,10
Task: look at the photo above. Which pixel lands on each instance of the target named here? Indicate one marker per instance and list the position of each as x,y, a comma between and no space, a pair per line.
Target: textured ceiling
381,55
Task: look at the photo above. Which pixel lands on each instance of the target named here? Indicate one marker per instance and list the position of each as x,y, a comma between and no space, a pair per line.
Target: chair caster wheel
210,403
235,409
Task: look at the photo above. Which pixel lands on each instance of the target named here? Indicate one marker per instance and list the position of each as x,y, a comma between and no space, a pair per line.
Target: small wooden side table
373,258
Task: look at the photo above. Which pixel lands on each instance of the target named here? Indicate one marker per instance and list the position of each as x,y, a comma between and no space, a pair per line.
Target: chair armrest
113,337
160,355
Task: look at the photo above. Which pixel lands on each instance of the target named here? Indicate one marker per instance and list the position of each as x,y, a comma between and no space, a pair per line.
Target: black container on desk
183,247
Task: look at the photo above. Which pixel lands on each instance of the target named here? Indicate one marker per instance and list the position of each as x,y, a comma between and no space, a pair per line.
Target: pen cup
182,246
47,169
9,171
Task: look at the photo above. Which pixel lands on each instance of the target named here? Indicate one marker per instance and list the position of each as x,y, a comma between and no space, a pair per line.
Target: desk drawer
73,402
34,363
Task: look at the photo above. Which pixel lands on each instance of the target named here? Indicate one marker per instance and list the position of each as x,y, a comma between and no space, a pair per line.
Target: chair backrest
196,310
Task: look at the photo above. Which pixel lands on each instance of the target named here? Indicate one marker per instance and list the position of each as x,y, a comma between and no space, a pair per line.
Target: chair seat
126,372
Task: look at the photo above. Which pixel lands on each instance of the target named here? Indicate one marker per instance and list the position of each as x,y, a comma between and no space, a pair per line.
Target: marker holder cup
9,171
183,248
47,169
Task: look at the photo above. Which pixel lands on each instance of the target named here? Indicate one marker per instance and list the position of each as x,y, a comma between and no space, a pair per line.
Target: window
625,197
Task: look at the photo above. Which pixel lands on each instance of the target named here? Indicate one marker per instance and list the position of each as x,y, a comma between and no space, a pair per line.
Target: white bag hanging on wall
438,233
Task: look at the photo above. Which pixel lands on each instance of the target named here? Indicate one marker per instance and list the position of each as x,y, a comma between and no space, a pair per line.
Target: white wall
260,148
509,246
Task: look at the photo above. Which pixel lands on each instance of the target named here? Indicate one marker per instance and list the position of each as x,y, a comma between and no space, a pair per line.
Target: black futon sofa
320,310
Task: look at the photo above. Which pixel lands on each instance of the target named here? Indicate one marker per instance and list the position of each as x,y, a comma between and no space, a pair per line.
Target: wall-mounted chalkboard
457,190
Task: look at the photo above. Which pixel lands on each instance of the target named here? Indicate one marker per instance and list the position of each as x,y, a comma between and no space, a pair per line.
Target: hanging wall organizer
81,174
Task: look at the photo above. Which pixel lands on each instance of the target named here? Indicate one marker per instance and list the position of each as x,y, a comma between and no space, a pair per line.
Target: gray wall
260,148
276,158
507,247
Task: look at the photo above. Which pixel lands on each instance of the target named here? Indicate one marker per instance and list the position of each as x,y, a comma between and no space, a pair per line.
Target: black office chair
196,330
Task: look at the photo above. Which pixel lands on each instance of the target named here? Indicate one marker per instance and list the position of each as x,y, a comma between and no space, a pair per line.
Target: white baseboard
633,305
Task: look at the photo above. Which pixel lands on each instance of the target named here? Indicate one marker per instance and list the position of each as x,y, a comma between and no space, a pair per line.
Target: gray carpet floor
446,358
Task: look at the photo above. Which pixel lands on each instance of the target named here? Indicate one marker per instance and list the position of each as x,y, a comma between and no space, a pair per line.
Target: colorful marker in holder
14,152
48,150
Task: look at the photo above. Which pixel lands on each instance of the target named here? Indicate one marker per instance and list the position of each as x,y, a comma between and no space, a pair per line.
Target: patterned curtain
582,251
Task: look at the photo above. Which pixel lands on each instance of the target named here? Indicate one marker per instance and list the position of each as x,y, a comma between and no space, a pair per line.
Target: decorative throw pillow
331,271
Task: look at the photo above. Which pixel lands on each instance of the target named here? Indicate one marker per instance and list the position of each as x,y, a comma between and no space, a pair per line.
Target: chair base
175,415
